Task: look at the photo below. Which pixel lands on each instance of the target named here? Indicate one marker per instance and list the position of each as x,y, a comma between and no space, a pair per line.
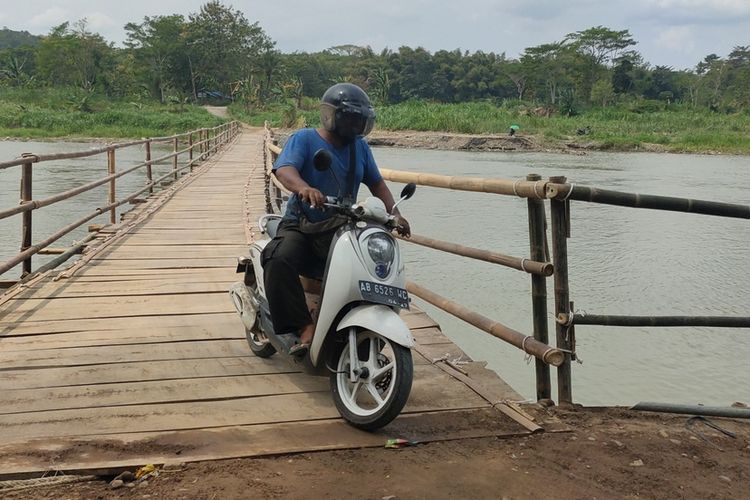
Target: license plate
384,294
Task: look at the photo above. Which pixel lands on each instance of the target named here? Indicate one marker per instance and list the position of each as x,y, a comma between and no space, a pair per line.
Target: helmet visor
353,122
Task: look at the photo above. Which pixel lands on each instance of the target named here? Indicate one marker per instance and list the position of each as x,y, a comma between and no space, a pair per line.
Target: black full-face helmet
345,110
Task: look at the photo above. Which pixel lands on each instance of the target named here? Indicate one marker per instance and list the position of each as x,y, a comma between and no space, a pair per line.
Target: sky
676,33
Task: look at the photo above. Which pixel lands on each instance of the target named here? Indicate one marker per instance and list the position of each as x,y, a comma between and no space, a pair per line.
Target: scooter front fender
381,320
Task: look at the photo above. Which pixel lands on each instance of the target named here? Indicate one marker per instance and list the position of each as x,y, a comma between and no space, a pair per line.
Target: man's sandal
299,350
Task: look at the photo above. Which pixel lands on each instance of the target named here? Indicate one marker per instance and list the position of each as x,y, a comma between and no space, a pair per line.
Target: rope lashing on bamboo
572,185
515,186
536,184
529,356
568,320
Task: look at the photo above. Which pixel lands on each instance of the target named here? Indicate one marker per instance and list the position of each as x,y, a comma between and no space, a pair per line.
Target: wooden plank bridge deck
135,355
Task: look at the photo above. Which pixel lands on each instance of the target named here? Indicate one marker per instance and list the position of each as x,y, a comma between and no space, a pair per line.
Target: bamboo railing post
112,185
149,171
175,147
190,157
560,235
26,195
537,219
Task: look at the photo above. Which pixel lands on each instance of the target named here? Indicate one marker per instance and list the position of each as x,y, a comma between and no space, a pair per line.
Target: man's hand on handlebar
312,197
402,226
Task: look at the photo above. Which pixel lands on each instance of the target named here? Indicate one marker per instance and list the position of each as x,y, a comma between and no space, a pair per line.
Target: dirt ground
610,453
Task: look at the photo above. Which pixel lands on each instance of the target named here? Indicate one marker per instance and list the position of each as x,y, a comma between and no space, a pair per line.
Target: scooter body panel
379,319
347,266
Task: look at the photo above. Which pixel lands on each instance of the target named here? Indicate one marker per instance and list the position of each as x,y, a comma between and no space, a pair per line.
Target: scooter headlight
382,250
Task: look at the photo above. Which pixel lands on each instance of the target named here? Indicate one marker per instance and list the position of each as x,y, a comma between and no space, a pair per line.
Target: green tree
597,47
75,56
223,46
160,49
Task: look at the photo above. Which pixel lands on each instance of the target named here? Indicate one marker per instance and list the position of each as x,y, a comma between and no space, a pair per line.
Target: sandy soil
610,453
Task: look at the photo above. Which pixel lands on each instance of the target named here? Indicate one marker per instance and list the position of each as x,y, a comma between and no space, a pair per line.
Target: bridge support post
537,238
560,216
149,170
175,147
26,195
190,154
112,185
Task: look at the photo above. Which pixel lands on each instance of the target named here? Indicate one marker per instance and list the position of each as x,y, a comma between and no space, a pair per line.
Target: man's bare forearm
381,191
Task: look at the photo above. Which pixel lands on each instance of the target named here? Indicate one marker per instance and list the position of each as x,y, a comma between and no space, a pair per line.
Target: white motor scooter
360,341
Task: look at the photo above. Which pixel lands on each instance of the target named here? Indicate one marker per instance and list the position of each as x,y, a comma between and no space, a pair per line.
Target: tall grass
46,113
676,129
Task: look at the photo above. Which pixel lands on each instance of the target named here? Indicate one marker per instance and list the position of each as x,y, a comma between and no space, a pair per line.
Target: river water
53,177
621,261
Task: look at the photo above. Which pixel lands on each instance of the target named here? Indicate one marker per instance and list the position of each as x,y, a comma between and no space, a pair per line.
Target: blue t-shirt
298,152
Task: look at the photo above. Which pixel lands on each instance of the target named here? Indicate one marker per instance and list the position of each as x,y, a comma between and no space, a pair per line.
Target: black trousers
288,255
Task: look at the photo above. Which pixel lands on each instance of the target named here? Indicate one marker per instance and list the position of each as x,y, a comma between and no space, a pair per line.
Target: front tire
381,392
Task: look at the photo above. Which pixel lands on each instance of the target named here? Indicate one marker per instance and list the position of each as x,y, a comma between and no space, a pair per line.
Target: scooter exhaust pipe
246,305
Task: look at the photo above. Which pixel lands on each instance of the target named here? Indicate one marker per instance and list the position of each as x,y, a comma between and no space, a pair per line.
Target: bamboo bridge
134,354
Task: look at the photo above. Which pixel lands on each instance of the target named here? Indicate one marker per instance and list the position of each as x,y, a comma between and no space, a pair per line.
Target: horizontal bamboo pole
70,227
660,321
35,204
76,249
95,151
522,188
526,265
530,345
635,200
52,251
273,148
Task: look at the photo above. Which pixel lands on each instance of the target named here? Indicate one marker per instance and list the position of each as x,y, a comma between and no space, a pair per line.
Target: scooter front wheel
384,372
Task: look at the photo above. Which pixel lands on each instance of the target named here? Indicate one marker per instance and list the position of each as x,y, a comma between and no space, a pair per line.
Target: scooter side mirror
322,160
408,191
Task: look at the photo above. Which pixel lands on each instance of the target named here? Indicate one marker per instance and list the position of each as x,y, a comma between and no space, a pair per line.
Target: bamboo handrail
564,191
549,355
35,204
526,265
28,205
521,188
96,151
653,321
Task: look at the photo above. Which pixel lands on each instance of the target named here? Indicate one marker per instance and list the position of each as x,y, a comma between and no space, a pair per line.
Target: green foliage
69,112
10,39
217,52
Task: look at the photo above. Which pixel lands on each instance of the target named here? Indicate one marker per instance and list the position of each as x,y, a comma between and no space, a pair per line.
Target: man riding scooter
307,228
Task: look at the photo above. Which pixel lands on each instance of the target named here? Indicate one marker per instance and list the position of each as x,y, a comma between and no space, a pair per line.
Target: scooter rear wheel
260,349
383,387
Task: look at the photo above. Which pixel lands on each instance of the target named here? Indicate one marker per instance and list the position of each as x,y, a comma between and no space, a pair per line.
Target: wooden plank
125,251
138,372
82,356
215,330
436,392
170,391
418,319
113,307
171,286
145,323
122,273
182,390
169,263
114,453
430,336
